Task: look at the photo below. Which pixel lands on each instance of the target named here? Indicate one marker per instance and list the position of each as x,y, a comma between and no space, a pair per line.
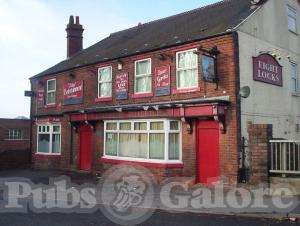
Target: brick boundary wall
259,136
14,159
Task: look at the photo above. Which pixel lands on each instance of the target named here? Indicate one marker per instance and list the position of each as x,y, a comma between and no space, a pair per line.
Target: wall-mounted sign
48,120
209,69
121,86
267,69
40,98
73,93
162,81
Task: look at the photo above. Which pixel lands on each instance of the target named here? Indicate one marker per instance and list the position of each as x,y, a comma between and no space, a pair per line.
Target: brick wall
23,125
226,71
229,145
259,136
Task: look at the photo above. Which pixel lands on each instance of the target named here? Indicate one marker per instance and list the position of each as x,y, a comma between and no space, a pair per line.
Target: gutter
225,100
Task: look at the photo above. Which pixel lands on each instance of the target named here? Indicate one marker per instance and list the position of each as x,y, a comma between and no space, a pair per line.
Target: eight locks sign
267,69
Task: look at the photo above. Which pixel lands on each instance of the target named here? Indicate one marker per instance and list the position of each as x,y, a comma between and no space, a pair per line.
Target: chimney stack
74,36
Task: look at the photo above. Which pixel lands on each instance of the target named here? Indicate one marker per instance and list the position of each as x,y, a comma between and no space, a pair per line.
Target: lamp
120,64
72,75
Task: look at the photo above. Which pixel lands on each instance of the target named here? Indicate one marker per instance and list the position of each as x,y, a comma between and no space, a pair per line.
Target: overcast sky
33,37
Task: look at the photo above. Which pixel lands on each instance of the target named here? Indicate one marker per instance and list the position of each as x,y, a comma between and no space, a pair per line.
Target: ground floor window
154,140
49,139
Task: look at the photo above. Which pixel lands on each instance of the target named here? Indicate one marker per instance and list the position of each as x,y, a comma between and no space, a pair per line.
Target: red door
208,151
85,160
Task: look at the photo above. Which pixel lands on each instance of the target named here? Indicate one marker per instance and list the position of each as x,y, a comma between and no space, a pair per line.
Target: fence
285,156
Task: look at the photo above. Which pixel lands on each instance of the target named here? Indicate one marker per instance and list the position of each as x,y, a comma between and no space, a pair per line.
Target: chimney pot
77,19
71,20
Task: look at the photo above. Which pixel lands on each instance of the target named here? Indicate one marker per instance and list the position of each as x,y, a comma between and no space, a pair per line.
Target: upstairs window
51,91
294,78
143,80
187,69
104,82
292,19
49,140
14,134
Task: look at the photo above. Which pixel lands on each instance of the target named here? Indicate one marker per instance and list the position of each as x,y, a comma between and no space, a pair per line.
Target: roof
185,27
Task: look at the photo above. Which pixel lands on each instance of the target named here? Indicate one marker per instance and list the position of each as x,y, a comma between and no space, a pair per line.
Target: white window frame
292,15
294,78
100,82
12,133
166,131
50,140
187,68
51,91
142,75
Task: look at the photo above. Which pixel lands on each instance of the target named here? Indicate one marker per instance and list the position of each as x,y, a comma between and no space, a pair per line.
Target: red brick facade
228,80
259,136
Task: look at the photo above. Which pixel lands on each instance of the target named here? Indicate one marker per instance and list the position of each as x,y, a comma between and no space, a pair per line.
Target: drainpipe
31,120
71,144
237,89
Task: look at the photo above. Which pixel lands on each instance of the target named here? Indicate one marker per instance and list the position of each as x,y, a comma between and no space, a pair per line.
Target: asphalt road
159,218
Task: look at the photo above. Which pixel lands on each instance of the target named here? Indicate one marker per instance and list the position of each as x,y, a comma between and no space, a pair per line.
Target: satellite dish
245,92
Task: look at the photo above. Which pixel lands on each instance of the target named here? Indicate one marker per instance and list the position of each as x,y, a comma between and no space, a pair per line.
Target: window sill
186,90
51,106
103,99
145,164
141,95
293,32
40,155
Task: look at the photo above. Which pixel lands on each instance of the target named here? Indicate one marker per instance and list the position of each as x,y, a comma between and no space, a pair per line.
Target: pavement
162,215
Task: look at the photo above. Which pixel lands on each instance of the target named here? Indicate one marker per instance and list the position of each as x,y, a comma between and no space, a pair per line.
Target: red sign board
40,97
122,86
73,93
267,69
162,80
48,120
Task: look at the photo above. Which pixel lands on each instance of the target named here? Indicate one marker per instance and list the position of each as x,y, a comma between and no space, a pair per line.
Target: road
159,218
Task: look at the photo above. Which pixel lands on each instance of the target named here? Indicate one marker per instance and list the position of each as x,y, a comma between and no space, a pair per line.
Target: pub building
165,94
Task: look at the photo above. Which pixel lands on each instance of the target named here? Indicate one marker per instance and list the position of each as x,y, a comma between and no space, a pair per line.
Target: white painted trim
143,75
52,91
50,135
177,70
166,131
284,141
98,81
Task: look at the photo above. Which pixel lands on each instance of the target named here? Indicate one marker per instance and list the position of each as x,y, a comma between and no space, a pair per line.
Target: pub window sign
267,69
209,68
